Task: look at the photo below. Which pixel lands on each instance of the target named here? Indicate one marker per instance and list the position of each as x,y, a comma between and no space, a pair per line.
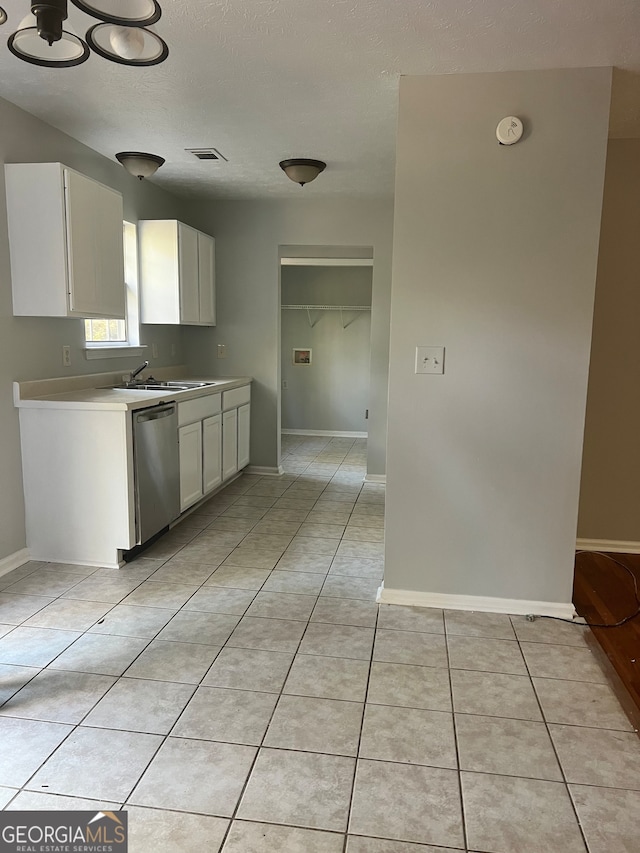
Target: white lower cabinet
229,443
214,444
190,440
244,420
200,437
211,453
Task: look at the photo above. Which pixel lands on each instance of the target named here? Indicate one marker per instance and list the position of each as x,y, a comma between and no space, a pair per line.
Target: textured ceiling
262,80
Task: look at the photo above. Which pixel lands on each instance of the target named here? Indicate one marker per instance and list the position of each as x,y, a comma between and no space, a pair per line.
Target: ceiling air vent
206,154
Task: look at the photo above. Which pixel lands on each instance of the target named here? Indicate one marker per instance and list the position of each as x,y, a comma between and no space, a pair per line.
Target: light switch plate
222,350
429,359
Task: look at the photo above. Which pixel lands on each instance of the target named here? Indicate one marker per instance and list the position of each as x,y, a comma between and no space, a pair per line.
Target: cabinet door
207,280
229,443
159,271
190,438
244,418
110,255
95,254
211,453
188,273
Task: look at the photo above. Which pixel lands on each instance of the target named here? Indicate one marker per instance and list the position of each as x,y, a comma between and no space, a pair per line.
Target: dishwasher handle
156,414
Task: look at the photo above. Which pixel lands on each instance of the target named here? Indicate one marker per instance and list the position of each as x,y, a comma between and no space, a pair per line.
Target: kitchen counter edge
120,399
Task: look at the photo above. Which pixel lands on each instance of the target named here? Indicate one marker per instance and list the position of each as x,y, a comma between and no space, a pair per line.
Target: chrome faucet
134,373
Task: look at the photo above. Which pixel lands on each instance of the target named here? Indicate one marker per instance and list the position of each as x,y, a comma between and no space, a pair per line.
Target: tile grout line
465,838
553,746
357,756
261,746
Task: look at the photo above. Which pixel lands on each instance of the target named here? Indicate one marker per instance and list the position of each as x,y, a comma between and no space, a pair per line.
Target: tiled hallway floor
237,688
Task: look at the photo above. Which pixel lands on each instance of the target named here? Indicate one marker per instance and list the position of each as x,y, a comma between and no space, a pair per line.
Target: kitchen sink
175,385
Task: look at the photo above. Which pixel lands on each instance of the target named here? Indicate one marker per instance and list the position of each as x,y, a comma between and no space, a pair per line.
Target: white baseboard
325,433
376,478
12,561
516,606
615,546
70,561
264,471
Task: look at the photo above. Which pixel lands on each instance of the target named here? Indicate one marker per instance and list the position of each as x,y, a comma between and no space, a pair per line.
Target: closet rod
340,308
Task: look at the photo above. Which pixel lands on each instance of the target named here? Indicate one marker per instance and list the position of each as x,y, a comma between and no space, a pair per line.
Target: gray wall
610,487
331,393
248,236
31,348
494,257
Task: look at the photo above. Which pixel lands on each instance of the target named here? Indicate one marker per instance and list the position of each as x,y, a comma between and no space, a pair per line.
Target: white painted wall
31,348
248,236
331,393
494,257
610,486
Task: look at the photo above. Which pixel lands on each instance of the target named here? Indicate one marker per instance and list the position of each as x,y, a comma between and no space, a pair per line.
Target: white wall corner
263,471
478,603
376,478
615,546
11,562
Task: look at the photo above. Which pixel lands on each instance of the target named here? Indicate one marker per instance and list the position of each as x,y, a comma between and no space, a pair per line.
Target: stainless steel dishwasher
157,471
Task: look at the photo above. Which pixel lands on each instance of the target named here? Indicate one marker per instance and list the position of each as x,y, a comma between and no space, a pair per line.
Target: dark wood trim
603,592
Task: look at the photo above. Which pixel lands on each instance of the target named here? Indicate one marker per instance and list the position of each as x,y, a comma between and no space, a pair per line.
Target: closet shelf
340,308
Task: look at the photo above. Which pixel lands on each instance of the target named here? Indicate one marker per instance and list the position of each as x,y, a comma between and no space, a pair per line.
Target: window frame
130,346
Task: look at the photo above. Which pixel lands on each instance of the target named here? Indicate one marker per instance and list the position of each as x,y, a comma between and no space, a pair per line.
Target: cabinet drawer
236,397
198,409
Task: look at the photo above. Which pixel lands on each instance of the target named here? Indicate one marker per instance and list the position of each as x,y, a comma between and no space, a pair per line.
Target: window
119,335
105,331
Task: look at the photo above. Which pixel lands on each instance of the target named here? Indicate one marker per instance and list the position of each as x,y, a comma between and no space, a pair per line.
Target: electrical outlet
429,359
285,384
154,350
66,356
222,350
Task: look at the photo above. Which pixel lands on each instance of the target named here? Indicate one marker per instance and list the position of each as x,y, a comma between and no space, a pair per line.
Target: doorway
325,346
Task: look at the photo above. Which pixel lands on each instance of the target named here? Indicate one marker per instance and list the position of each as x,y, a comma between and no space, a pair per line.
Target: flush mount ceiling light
121,37
302,171
3,16
139,164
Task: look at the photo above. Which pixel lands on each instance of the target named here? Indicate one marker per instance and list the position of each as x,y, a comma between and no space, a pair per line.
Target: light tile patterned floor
237,689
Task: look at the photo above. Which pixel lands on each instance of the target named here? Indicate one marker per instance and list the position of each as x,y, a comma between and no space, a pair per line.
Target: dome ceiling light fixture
139,13
121,37
41,39
3,16
301,170
127,45
139,164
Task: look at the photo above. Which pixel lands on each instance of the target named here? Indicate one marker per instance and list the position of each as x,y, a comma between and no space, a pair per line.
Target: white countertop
89,392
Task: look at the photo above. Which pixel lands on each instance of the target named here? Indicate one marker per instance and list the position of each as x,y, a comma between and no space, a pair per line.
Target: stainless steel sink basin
144,386
174,385
188,383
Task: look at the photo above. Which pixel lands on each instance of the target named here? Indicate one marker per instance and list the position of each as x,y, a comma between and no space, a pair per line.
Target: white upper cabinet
177,274
65,240
207,279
